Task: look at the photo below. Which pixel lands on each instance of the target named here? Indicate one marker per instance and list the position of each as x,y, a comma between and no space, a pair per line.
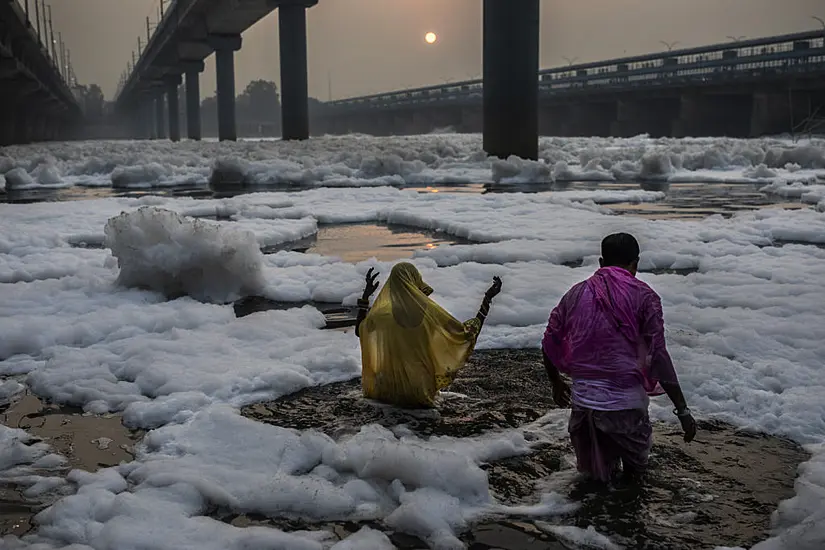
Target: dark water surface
682,200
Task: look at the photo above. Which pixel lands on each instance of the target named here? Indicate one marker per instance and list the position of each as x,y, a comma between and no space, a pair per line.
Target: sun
430,38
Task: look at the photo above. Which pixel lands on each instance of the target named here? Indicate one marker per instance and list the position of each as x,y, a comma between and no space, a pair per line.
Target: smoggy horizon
359,47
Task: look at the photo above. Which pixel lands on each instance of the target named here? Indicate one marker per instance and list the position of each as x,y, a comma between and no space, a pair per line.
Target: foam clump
18,178
163,251
760,171
142,175
517,170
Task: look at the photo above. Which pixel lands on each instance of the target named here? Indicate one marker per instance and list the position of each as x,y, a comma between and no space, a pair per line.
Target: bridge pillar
21,127
146,108
193,70
511,78
779,112
588,119
714,115
160,117
7,129
554,119
172,84
225,47
292,24
652,116
472,120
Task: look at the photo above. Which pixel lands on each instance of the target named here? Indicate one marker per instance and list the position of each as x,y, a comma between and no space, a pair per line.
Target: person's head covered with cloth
411,347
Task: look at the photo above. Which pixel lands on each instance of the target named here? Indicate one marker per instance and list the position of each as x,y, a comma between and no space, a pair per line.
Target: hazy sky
371,46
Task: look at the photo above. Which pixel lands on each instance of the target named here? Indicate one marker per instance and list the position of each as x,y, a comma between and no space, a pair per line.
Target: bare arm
491,293
555,327
364,301
561,391
674,392
362,314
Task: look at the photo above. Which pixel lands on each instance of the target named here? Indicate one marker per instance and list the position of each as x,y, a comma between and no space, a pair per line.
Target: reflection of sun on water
431,38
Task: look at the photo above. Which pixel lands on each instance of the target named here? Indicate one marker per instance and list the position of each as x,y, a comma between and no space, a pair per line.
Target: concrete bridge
191,30
36,102
747,88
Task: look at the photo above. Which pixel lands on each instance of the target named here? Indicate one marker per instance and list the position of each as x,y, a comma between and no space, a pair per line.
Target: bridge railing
796,53
45,37
171,11
20,23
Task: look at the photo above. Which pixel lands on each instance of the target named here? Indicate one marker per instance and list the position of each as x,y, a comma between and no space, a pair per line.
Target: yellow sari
410,346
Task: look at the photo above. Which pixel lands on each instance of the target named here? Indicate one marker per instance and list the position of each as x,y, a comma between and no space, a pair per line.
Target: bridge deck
800,55
25,62
182,35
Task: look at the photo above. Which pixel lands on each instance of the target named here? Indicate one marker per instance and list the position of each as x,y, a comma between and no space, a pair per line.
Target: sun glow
430,38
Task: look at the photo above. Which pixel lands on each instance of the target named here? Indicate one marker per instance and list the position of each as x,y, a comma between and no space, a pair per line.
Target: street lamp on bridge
570,61
820,21
736,38
669,45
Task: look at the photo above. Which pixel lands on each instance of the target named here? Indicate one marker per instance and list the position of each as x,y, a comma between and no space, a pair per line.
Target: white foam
744,329
333,161
162,251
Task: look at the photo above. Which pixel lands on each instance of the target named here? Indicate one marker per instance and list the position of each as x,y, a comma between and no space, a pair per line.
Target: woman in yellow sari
410,346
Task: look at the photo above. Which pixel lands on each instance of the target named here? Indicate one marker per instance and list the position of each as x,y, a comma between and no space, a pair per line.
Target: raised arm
491,293
364,301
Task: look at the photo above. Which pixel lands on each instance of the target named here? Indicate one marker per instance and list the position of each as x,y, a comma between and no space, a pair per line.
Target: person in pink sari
607,333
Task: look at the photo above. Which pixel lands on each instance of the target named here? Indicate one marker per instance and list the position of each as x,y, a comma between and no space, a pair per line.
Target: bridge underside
191,31
35,102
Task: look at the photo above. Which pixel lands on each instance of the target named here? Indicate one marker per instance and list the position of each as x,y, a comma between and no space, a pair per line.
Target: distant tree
94,102
209,116
259,109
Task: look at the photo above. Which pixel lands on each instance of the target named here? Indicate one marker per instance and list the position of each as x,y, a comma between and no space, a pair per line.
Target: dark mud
89,442
719,490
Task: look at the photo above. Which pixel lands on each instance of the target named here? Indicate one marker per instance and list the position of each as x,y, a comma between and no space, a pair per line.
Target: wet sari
410,346
607,334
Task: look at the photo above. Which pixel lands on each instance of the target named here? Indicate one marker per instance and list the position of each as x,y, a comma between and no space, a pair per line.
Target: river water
749,474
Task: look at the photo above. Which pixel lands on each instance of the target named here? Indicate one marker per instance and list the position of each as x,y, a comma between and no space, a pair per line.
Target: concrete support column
172,83
779,112
193,70
225,48
709,115
652,115
292,23
148,117
21,127
160,117
472,120
7,128
137,122
511,78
